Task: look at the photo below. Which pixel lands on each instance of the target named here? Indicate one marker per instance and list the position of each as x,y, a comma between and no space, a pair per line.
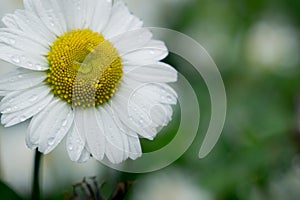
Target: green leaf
7,193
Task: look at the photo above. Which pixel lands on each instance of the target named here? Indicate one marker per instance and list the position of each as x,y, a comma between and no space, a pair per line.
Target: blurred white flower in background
272,44
286,186
169,184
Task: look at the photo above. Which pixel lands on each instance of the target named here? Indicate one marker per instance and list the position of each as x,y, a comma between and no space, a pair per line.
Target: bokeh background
256,47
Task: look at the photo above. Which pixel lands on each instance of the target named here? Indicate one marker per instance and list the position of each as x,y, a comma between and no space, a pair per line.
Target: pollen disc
85,69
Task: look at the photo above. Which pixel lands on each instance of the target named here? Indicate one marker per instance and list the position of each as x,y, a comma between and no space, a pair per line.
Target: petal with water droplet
89,125
153,73
20,100
13,118
114,144
48,123
151,53
21,79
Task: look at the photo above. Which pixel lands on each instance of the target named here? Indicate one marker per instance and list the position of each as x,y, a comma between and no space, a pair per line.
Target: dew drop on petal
15,59
64,123
38,66
8,109
70,147
23,118
51,141
169,98
12,79
141,121
12,41
33,98
29,64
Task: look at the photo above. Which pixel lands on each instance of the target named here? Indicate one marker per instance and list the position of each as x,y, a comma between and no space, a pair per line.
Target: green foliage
7,193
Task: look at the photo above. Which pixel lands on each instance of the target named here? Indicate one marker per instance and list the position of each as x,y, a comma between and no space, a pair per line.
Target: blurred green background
256,47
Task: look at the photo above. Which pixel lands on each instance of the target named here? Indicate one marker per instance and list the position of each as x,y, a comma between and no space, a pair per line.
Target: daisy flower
86,70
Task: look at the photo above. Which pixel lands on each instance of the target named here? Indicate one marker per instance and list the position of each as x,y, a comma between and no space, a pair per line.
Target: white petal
75,13
114,147
21,79
20,100
101,14
85,155
52,124
135,150
151,53
75,143
121,21
23,42
31,26
159,72
50,15
89,124
132,116
131,40
9,21
159,114
22,59
160,92
132,147
10,119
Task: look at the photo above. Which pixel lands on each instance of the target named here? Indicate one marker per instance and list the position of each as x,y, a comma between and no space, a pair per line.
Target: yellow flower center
85,69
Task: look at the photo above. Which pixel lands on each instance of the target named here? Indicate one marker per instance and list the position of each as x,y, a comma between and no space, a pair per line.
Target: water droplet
15,59
152,52
12,79
169,98
51,141
29,64
70,147
33,98
20,76
51,23
38,66
64,123
23,118
8,109
23,57
4,117
12,41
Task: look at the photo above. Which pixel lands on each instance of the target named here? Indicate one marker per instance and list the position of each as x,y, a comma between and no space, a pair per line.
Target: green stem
36,180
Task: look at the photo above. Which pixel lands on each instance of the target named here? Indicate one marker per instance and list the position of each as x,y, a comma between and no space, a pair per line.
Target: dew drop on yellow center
85,69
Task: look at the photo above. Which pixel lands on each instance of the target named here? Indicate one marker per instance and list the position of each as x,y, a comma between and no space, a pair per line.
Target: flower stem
35,195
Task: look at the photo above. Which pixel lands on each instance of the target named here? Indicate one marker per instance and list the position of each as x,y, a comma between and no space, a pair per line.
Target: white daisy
87,70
